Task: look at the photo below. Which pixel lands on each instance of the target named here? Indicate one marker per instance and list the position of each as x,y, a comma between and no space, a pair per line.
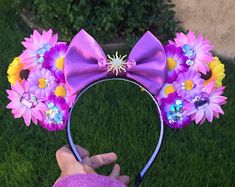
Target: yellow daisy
16,71
216,72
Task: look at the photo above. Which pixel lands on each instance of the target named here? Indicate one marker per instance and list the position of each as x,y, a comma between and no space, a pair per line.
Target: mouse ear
149,67
85,62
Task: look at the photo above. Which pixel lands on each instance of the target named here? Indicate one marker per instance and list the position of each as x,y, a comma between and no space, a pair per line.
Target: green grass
113,116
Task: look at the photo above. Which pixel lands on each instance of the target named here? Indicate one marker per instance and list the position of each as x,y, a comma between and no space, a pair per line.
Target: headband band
141,174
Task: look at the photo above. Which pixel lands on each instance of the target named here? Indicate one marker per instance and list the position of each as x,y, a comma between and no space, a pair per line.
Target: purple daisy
196,49
54,60
176,61
62,90
188,83
167,88
206,104
36,46
41,83
56,115
173,111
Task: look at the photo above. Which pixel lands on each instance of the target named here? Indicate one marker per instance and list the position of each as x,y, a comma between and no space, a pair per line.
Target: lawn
113,116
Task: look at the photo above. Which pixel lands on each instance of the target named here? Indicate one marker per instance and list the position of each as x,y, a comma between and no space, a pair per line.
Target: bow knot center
117,64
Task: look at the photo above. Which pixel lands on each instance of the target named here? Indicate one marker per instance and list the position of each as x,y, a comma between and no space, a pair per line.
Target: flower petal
199,115
209,113
27,117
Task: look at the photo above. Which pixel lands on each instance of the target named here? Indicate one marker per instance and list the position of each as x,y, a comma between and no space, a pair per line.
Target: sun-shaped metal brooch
116,63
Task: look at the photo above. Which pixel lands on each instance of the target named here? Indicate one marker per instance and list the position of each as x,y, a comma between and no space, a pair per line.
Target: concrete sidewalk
215,19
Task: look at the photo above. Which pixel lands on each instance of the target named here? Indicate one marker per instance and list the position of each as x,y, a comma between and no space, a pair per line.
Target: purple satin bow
86,62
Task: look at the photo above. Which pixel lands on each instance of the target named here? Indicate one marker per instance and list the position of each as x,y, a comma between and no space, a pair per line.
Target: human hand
70,166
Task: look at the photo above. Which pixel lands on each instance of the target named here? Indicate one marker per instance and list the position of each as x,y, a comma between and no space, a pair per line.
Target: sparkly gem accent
189,62
54,115
176,112
116,63
130,63
190,53
201,100
40,52
102,62
29,100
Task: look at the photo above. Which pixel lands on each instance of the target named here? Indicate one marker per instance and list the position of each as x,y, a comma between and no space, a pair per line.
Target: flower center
171,63
207,75
169,89
42,83
176,112
60,91
54,115
24,74
188,85
29,100
60,63
201,101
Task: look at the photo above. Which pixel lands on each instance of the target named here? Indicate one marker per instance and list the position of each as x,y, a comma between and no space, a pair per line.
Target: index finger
64,155
100,160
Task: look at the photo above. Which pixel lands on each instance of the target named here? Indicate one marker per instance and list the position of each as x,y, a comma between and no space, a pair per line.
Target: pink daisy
56,115
206,104
24,104
54,60
41,83
36,46
188,84
196,49
175,61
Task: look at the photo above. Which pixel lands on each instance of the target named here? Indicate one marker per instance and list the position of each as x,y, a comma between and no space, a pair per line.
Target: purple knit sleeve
88,180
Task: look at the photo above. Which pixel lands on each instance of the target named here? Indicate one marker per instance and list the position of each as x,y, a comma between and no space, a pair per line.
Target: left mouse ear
82,62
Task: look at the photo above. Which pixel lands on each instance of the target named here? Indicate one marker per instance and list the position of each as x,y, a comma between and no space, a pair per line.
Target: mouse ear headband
86,65
183,77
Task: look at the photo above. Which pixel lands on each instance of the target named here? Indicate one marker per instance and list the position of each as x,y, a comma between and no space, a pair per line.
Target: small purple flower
54,61
166,89
173,111
62,90
41,83
56,115
188,83
176,61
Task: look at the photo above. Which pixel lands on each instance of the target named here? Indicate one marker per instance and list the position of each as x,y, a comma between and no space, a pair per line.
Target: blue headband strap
140,176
